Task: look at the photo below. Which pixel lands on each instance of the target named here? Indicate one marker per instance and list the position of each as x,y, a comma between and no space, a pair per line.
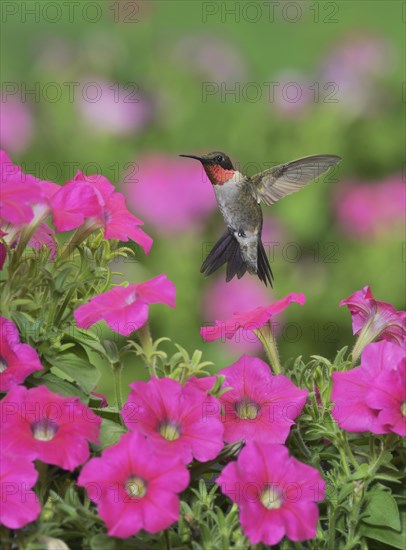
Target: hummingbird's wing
282,180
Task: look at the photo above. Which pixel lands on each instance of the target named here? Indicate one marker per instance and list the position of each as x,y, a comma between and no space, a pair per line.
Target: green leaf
110,433
390,537
111,413
78,370
60,386
381,509
85,337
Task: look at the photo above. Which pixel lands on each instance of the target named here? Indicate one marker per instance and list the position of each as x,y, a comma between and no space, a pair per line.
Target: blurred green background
121,88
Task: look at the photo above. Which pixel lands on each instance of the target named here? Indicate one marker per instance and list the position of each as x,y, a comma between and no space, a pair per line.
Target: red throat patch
216,174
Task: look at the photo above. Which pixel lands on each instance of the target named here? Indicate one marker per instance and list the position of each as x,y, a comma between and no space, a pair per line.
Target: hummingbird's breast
238,206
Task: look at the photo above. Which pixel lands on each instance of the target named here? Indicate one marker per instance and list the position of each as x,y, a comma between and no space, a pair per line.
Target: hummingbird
239,199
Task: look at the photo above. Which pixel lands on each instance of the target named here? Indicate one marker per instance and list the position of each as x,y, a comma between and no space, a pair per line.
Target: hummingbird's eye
219,158
241,234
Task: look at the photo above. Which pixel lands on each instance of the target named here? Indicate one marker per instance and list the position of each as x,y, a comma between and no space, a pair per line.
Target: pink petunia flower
44,236
222,299
388,396
260,407
373,320
180,420
276,494
93,199
134,486
19,192
17,360
361,402
125,309
250,320
43,425
172,195
24,207
19,505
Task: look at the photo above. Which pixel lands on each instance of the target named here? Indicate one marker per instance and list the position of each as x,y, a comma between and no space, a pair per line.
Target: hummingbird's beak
202,159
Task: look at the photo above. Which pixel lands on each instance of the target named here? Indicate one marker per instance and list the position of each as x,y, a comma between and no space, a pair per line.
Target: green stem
117,372
344,462
166,540
266,337
365,337
81,233
66,301
5,538
331,527
349,452
297,436
145,338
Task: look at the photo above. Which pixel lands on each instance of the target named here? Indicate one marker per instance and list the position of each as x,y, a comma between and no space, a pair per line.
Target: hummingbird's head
217,166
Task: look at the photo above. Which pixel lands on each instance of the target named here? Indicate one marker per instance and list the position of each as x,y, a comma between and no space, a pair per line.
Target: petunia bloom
19,505
221,299
17,360
43,425
276,494
260,406
19,192
180,420
373,320
371,398
93,199
250,320
125,309
134,486
388,396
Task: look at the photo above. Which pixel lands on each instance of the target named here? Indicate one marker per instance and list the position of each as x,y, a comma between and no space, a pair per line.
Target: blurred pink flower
17,360
212,57
19,505
17,125
93,199
276,494
172,195
370,210
112,107
249,320
292,94
260,406
380,320
180,420
134,486
353,66
125,309
221,300
368,398
43,425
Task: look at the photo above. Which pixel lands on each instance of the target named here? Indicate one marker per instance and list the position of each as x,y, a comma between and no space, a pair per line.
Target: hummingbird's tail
227,250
